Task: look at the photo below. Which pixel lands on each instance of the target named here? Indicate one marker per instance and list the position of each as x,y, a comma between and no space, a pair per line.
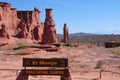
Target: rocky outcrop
8,16
36,33
23,33
14,20
27,24
4,32
66,33
49,33
32,22
21,24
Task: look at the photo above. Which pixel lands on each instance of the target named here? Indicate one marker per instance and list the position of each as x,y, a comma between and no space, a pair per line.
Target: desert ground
85,61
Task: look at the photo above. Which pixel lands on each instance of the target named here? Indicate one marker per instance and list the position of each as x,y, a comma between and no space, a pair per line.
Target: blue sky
90,16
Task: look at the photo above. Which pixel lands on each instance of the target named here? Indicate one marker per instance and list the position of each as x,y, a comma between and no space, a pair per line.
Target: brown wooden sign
51,62
61,72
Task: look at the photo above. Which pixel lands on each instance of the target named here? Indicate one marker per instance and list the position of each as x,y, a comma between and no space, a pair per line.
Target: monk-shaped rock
4,32
66,33
49,33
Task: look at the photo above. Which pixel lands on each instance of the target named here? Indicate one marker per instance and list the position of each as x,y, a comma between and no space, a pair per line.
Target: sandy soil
82,62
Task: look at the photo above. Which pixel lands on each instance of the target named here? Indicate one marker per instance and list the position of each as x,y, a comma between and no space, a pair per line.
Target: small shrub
99,65
82,73
66,45
19,53
20,46
116,52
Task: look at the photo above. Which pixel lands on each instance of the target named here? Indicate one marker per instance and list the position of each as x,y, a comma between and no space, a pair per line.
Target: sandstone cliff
21,24
27,24
8,17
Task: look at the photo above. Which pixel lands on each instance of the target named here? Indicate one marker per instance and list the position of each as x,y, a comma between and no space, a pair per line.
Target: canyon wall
27,24
31,21
8,17
21,24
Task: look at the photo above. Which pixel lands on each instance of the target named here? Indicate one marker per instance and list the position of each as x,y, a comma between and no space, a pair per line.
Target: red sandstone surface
27,24
49,34
3,32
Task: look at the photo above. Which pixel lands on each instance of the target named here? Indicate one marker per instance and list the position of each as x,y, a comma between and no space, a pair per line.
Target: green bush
99,65
116,51
66,45
20,46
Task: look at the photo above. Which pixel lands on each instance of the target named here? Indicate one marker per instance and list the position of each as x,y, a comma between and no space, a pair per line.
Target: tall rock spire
66,33
49,33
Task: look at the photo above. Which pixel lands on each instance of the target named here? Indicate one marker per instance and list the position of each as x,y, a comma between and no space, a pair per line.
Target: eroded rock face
14,20
27,24
31,20
8,17
36,33
66,33
23,33
21,24
4,32
49,33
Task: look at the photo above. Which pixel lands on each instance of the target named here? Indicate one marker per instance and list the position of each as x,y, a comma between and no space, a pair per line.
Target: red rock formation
32,19
26,16
14,20
27,24
4,32
49,33
37,25
5,13
36,33
8,17
66,33
25,21
23,33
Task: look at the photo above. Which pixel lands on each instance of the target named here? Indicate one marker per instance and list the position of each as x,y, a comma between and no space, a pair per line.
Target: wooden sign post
51,62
